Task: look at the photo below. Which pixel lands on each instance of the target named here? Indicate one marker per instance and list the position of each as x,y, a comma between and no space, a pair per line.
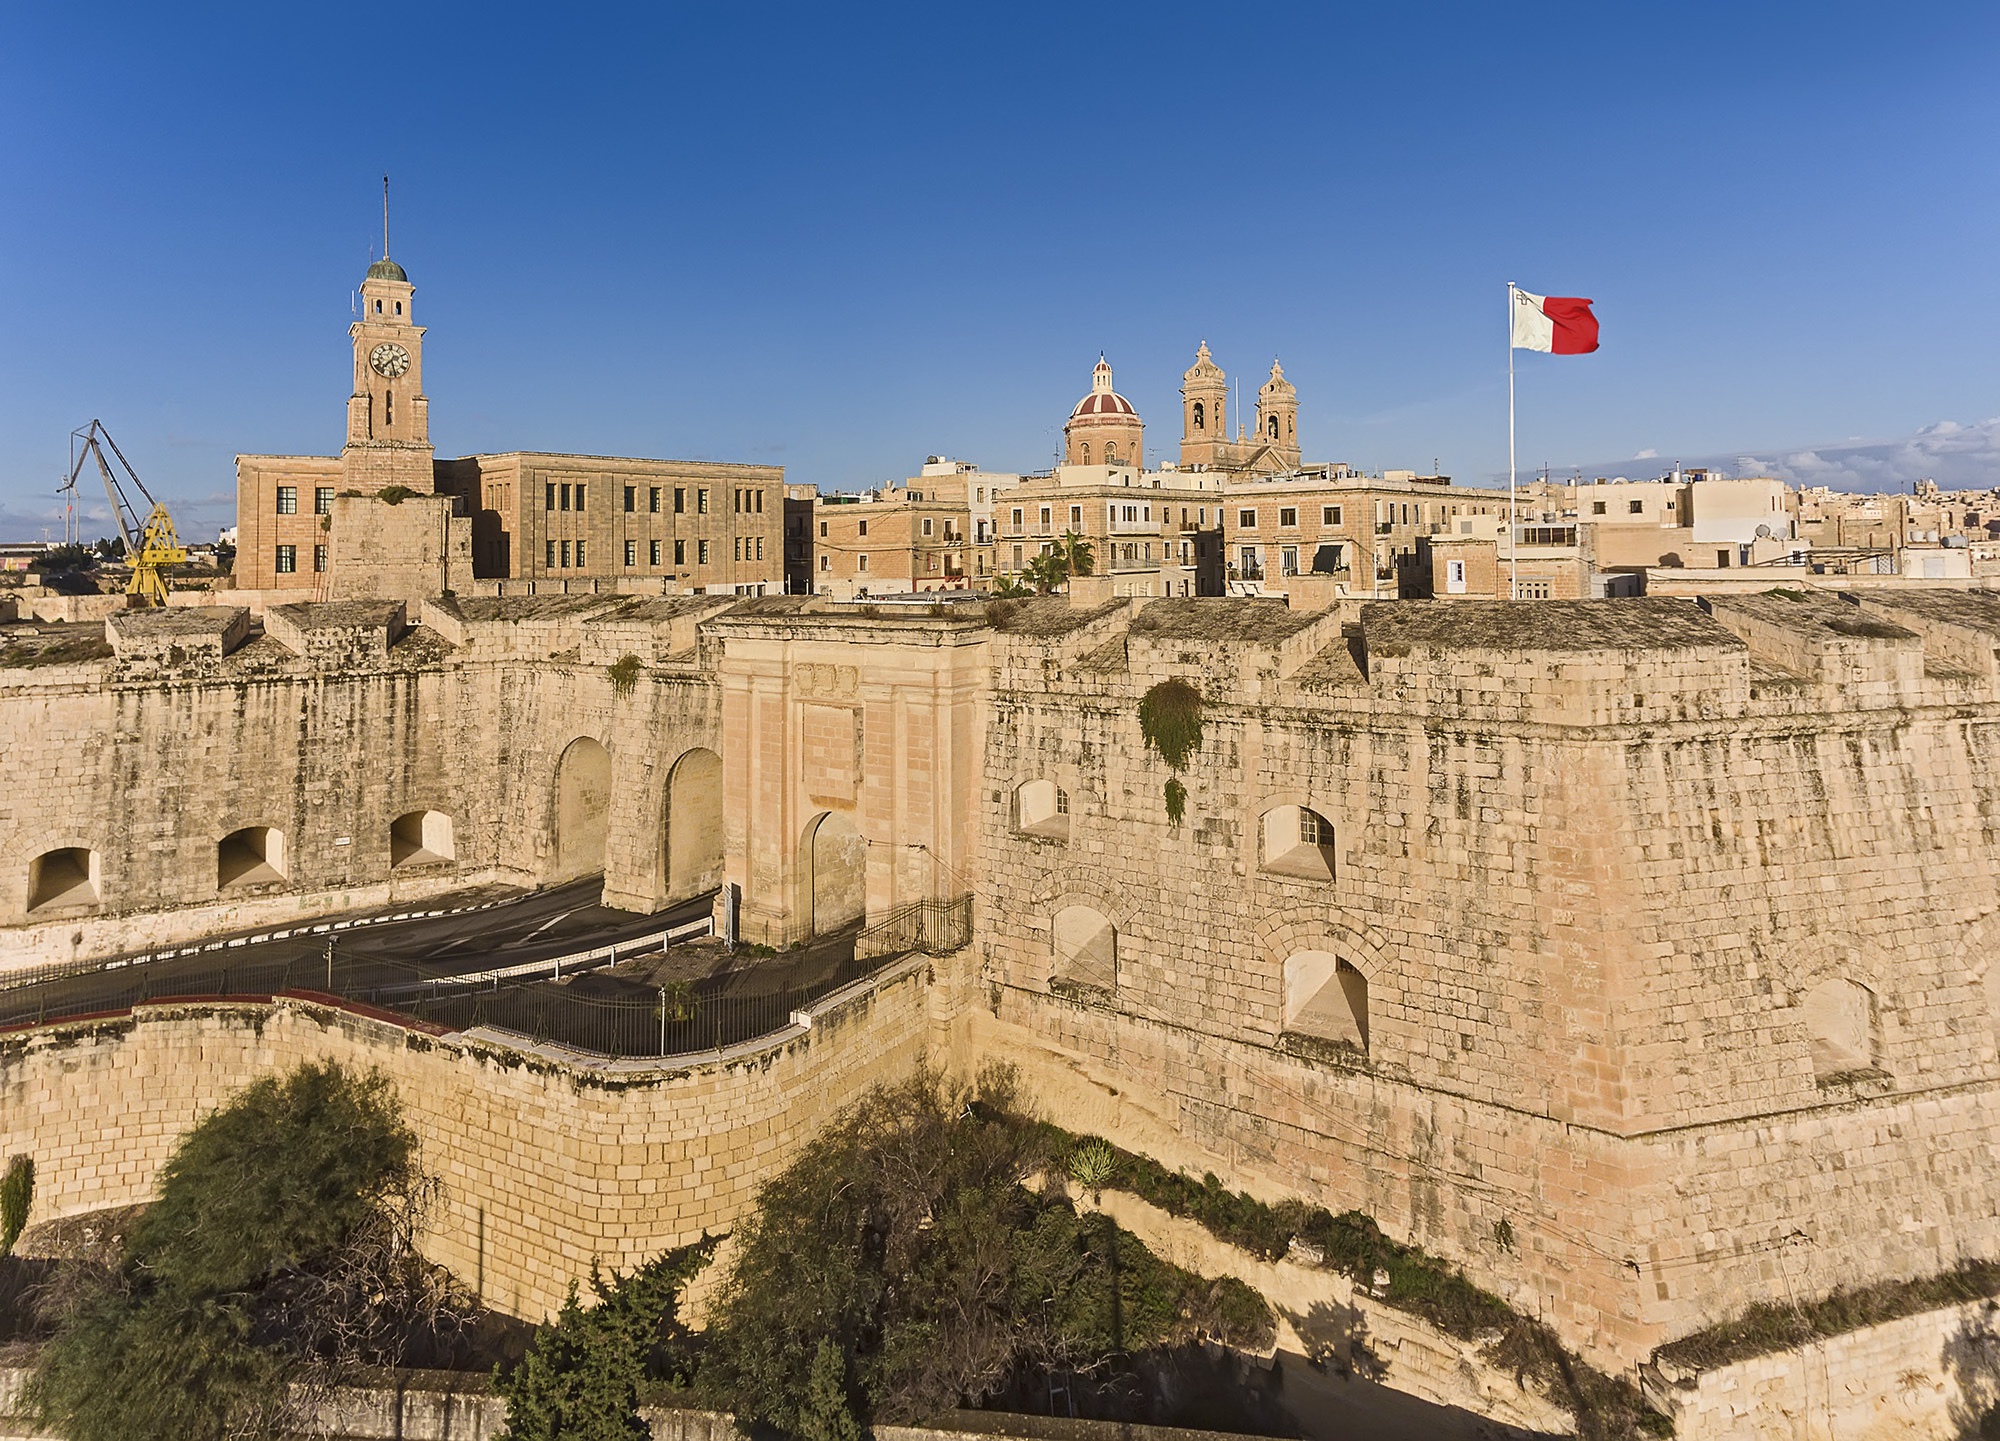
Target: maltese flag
1559,324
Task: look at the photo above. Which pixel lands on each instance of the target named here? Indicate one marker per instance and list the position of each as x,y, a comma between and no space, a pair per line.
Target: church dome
1102,401
387,269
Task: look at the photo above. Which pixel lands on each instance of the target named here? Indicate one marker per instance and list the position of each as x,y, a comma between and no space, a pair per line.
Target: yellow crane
150,547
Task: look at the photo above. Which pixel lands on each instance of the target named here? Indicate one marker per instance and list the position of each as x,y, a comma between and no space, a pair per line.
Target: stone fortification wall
1929,1377
1662,943
547,1165
324,730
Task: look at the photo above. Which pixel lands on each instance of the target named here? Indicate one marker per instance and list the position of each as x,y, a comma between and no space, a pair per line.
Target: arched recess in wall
62,878
583,808
1841,1029
694,825
422,838
1085,948
836,866
1326,997
253,856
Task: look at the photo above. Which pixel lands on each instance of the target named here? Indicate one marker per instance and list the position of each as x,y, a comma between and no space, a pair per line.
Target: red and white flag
1559,324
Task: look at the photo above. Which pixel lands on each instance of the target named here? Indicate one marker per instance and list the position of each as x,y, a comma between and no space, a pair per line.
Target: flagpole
1513,519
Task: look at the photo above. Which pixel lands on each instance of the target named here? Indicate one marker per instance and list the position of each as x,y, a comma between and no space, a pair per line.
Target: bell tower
388,415
1204,411
1278,416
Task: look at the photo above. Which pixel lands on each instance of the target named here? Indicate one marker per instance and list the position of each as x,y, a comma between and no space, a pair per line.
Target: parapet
193,638
349,632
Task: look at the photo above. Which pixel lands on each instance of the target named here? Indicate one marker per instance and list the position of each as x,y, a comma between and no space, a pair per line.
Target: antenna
385,217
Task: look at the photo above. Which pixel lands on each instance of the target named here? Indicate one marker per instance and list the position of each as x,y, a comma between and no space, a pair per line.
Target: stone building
387,518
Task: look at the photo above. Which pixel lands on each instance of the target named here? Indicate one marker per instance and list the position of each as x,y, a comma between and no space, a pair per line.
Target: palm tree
1078,556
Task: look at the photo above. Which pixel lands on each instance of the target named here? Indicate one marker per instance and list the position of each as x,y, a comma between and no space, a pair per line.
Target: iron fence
934,927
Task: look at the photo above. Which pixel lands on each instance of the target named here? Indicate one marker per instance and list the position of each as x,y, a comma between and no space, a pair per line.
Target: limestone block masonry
1632,954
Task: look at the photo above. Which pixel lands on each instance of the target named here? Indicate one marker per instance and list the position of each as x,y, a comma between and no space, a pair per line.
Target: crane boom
150,546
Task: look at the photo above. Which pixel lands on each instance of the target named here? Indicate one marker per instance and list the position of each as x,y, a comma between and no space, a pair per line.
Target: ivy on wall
1170,720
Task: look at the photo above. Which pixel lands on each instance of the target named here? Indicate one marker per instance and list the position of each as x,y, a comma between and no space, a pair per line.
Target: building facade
387,518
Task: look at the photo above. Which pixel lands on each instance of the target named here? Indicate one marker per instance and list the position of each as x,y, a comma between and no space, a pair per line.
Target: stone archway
836,862
694,825
583,808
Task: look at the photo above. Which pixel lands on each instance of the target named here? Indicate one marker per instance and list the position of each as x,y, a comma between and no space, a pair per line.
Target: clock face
389,359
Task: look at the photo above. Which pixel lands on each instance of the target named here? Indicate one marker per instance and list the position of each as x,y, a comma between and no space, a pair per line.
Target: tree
581,1379
65,557
900,1267
1079,557
279,1257
1045,572
111,548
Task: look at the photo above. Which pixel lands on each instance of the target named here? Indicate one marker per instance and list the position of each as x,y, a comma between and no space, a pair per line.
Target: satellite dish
1763,532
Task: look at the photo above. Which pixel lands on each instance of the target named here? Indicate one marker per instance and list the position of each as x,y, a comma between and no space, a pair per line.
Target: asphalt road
382,958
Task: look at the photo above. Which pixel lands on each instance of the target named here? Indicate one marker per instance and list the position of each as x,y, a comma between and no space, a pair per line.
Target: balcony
1384,527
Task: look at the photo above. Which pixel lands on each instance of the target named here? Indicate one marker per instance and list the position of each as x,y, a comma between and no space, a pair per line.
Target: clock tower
388,416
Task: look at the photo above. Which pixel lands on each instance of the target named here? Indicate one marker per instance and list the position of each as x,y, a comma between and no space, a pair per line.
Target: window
736,548
420,838
1288,516
288,500
1085,946
1638,507
1454,577
550,563
680,552
1246,519
1017,552
1597,507
631,498
826,562
758,496
288,559
1041,808
1048,519
579,553
1298,842
579,497
319,558
549,497
563,492
1288,559
701,501
760,547
1839,1018
737,495
253,856
565,555
864,527
631,552
323,500
1329,515
1076,517
1534,590
653,553
862,564
927,525
653,499
1019,523
701,549
1200,416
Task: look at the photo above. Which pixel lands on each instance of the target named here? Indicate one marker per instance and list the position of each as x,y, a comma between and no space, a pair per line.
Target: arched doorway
583,808
694,825
836,857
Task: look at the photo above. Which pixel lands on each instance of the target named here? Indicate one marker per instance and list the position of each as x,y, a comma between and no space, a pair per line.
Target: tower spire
385,217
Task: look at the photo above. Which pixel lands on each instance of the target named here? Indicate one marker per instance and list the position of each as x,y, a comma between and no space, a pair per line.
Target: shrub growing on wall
1170,720
17,1193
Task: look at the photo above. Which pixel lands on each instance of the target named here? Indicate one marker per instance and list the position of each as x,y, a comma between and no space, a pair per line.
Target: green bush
279,1257
584,1375
624,674
1170,720
17,1193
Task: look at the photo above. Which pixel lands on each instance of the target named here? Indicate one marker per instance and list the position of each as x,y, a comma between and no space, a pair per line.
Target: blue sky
842,238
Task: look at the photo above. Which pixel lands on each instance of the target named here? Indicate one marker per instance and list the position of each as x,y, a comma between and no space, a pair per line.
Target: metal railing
935,928
586,1011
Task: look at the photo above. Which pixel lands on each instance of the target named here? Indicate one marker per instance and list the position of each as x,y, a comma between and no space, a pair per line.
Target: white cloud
1956,456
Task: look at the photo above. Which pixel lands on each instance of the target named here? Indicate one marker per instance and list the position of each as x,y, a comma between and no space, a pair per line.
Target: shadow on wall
1970,1361
583,808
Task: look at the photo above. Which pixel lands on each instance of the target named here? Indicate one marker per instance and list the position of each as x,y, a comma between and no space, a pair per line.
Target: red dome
1103,402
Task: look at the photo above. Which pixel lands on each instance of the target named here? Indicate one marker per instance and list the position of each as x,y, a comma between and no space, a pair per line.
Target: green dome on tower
387,269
